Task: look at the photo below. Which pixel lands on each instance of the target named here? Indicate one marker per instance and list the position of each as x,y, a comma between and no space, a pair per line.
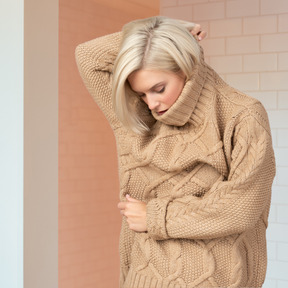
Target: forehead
143,79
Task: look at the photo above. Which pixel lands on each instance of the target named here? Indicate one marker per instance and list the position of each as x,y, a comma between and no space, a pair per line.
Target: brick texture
248,45
238,8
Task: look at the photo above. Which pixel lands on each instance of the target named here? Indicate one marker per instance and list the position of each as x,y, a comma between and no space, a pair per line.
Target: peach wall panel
89,221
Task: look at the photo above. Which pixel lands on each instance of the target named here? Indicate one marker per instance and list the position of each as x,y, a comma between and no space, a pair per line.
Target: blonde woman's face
158,89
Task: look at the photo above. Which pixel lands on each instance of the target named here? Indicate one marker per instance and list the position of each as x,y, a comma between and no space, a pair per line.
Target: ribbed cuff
123,275
156,218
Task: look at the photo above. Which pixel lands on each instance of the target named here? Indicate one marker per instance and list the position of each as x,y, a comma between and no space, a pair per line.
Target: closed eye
161,91
142,95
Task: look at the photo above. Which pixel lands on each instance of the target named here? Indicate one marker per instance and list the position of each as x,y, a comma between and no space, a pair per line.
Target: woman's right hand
198,33
194,29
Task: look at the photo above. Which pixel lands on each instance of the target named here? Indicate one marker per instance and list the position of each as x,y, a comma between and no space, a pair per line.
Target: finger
201,35
122,205
130,199
196,29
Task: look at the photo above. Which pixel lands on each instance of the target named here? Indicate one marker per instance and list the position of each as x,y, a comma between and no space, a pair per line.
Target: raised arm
95,60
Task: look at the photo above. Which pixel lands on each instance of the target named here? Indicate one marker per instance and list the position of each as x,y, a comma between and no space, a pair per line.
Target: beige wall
247,44
40,143
89,221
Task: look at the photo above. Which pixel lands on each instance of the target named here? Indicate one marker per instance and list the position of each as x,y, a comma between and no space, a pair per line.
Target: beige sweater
205,172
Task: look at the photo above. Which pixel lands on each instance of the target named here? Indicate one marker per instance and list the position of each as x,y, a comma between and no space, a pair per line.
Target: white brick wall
260,25
283,99
248,45
238,8
234,45
283,23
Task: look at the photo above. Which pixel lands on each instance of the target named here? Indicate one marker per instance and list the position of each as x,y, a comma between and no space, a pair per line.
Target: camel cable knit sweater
205,171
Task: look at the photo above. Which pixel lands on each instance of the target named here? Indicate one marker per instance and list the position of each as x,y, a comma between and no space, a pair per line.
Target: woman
196,162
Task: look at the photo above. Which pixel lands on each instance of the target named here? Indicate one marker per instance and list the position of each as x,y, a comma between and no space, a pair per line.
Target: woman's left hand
135,212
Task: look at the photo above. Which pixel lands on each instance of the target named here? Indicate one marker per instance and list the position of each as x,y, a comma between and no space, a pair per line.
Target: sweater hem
136,280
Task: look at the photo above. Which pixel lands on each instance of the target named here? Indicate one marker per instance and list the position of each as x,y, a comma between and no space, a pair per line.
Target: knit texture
205,171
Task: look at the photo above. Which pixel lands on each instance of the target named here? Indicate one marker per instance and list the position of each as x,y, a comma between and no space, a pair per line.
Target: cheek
175,93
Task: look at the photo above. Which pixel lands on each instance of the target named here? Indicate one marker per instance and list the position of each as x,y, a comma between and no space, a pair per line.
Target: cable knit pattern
205,171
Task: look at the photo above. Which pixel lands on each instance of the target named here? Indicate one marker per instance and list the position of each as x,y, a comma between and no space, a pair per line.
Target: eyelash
158,92
161,91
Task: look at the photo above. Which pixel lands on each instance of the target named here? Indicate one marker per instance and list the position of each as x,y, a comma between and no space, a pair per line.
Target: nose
151,101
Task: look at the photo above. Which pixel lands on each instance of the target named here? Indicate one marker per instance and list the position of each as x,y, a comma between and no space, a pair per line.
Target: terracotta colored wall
89,221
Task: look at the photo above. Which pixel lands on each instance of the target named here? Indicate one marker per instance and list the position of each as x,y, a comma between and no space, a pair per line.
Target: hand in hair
195,29
198,33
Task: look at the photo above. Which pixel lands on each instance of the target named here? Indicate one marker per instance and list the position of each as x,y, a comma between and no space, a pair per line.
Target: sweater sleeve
230,206
95,60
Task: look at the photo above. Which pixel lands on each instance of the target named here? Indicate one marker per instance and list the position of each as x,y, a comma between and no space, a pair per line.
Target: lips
161,112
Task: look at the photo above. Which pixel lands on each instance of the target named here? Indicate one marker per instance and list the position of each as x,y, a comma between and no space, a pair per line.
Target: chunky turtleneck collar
181,111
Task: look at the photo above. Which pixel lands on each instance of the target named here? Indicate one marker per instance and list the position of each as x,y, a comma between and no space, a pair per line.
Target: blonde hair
156,43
